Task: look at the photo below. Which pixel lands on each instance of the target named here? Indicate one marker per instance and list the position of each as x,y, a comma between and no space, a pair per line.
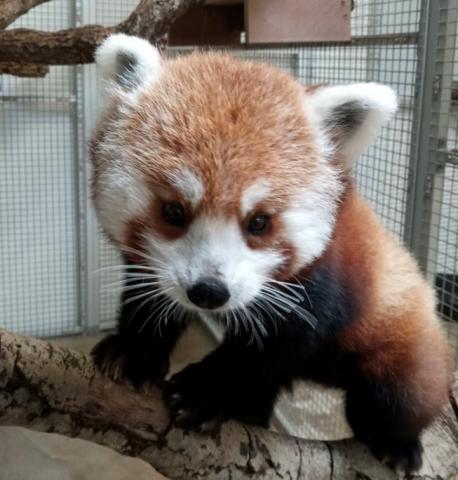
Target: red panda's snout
209,292
211,266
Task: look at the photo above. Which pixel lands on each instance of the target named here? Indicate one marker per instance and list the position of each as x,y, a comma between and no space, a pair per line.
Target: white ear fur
126,63
352,115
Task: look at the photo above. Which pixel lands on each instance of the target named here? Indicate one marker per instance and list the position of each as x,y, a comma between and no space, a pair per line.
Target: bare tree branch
10,10
151,19
72,46
50,388
24,70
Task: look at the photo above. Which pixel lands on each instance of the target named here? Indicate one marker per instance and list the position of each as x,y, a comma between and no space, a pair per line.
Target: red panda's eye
258,224
173,214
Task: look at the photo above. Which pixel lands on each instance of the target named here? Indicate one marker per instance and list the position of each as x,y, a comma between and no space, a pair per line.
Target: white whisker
287,307
265,308
307,316
141,295
282,295
290,289
152,260
305,290
139,307
161,316
124,266
258,312
257,328
157,310
247,324
122,287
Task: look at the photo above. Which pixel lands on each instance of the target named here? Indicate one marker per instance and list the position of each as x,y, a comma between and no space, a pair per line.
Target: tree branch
64,47
53,389
151,19
24,70
10,10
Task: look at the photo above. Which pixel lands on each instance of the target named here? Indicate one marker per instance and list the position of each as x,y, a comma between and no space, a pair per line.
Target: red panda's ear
350,116
125,63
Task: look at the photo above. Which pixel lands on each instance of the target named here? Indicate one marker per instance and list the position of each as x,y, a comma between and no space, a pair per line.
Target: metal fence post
427,158
87,92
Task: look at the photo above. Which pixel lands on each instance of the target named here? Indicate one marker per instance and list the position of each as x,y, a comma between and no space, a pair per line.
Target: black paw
405,455
194,403
120,361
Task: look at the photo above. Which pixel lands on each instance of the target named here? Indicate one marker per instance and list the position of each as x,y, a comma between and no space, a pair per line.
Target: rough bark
150,19
49,388
64,47
10,10
24,70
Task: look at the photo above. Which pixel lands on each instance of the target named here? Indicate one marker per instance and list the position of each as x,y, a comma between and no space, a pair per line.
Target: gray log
52,389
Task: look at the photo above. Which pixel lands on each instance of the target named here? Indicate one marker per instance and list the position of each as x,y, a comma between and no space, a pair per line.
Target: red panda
228,188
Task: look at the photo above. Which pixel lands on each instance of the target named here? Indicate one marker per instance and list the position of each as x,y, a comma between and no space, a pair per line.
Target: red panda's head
226,174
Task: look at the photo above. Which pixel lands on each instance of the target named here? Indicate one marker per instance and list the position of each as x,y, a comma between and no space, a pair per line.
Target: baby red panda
227,186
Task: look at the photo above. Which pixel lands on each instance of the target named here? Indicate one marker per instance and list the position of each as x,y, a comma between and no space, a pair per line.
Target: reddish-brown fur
397,332
216,135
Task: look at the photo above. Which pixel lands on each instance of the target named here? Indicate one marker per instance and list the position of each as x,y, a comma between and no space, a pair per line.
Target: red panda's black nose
208,292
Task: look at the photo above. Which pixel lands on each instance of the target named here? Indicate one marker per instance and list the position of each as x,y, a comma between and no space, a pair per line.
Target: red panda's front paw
116,359
404,455
194,403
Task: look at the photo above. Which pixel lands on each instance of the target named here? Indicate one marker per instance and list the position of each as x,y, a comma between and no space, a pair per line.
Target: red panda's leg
384,418
234,381
139,351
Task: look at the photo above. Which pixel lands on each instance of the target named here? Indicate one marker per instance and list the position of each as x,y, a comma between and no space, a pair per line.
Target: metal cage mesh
438,223
38,237
49,252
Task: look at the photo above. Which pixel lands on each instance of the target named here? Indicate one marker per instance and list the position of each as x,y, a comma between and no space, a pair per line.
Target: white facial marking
213,247
120,198
254,194
310,219
189,184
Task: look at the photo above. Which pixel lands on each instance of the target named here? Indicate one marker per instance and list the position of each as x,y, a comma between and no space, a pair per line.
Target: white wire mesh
38,238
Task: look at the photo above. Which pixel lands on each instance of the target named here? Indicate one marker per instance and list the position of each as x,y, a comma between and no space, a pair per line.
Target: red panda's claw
191,405
114,359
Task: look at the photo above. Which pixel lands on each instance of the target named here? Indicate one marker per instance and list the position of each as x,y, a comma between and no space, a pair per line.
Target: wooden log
24,70
53,389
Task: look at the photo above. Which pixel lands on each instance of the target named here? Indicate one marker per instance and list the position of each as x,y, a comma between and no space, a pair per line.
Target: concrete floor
28,455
